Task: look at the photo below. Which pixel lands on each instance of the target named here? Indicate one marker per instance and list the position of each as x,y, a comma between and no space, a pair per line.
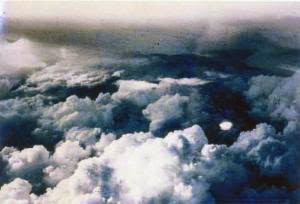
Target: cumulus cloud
189,140
184,81
143,93
6,84
265,148
166,109
20,162
19,112
85,136
72,68
219,168
281,96
160,177
77,112
103,142
138,92
82,126
64,161
18,191
27,164
184,168
52,77
19,106
171,103
277,99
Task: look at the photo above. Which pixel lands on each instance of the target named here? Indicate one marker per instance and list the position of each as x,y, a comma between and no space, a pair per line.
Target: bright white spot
226,125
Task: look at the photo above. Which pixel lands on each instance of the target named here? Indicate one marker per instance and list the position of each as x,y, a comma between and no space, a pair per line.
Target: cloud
143,93
73,67
277,100
26,164
184,81
170,104
18,191
64,161
165,110
265,148
17,119
278,97
77,112
19,57
85,136
79,125
6,84
163,176
103,142
25,160
140,93
220,169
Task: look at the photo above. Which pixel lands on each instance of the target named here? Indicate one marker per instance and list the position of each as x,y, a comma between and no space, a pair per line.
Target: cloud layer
86,126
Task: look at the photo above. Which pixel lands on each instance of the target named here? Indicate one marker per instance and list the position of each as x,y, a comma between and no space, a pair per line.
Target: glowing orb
225,125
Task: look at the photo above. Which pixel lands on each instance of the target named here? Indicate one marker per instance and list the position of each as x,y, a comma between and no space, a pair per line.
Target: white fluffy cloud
21,106
279,97
58,75
137,92
86,136
77,112
167,108
265,148
188,141
220,170
94,161
184,81
16,192
103,142
64,161
143,93
138,168
74,67
27,163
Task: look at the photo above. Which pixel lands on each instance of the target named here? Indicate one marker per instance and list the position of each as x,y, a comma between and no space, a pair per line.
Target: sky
93,12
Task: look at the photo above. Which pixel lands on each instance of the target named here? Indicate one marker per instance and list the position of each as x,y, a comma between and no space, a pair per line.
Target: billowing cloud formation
64,161
86,136
165,110
26,164
78,112
82,124
143,93
280,102
17,191
278,96
138,92
71,69
6,85
103,178
20,162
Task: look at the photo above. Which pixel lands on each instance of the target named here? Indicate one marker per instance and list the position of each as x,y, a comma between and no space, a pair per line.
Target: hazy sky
141,12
